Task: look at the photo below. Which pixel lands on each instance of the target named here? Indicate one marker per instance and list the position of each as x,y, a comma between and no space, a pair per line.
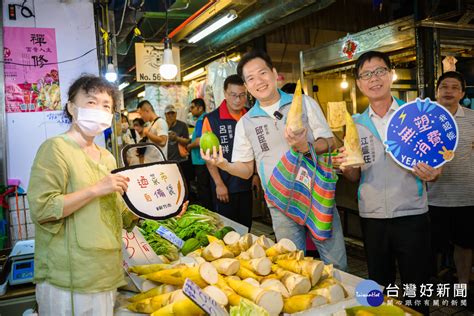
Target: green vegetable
202,237
195,220
190,245
160,245
248,308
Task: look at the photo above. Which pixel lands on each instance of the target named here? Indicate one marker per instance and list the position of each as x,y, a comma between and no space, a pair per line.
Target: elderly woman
77,209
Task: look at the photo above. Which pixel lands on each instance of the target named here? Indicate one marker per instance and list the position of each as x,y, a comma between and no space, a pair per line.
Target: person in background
78,213
261,138
451,199
198,110
233,195
392,200
128,136
139,127
178,139
136,156
156,132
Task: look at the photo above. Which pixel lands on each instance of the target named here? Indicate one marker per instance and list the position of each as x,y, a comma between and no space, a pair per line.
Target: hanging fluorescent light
235,58
344,83
123,85
141,94
229,17
194,74
394,75
111,74
168,69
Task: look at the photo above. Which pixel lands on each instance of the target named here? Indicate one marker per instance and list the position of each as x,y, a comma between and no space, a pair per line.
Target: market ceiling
186,17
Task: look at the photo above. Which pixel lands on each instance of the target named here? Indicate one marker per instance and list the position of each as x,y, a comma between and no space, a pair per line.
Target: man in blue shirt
198,110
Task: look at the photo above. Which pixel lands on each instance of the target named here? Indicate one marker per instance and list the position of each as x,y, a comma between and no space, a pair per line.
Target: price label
170,236
204,301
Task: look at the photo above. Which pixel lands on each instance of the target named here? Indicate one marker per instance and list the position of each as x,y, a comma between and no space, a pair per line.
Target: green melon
209,140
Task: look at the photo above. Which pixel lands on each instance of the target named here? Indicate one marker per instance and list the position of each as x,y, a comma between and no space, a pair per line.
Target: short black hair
367,56
455,75
233,79
139,121
251,56
87,83
145,102
199,102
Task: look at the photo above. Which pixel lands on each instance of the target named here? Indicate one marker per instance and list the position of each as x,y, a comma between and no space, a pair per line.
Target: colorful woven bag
303,189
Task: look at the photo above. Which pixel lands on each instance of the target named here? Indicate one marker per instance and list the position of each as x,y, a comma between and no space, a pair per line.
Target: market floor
357,266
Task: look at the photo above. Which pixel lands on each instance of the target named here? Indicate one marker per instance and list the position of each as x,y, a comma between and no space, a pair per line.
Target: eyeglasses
238,96
379,72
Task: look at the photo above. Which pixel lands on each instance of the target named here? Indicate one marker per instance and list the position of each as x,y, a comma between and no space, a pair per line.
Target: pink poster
31,70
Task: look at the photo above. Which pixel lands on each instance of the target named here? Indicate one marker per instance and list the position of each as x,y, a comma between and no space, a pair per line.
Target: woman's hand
112,183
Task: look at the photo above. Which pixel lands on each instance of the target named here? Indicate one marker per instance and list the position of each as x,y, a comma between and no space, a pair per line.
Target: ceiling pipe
257,23
192,17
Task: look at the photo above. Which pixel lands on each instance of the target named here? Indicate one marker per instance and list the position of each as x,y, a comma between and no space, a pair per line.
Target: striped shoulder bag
304,189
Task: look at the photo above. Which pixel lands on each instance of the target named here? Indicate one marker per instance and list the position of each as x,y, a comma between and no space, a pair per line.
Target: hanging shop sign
31,70
421,131
148,59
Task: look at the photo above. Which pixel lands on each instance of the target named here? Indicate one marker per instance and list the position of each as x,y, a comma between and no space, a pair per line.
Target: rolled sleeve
48,183
317,122
242,150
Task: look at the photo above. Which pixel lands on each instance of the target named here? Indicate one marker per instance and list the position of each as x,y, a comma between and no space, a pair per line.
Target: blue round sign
421,131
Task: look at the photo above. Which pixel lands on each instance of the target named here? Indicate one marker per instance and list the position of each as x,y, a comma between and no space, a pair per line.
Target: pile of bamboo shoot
275,276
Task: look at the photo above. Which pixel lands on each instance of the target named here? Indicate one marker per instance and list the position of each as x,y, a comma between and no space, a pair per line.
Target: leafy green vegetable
159,245
248,308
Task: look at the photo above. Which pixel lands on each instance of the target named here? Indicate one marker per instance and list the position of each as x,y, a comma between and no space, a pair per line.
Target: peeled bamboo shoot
160,289
184,307
226,266
352,144
281,247
309,268
148,268
202,275
270,300
294,119
295,283
302,302
260,266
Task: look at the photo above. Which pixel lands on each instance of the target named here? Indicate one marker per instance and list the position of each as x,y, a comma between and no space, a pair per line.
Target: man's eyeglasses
379,72
238,96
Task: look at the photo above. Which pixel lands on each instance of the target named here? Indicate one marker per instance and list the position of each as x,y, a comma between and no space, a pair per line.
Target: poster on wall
31,70
148,59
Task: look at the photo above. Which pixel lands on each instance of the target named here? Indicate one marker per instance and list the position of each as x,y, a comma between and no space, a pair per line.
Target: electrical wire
123,17
57,63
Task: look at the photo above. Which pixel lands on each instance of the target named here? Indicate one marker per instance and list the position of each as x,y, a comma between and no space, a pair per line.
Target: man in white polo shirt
261,139
451,199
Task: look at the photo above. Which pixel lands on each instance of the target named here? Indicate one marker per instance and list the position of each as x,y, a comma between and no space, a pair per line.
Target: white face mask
92,122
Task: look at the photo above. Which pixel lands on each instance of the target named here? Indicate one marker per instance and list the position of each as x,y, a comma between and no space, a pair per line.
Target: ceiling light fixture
168,69
394,75
344,83
229,17
110,74
196,73
123,85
